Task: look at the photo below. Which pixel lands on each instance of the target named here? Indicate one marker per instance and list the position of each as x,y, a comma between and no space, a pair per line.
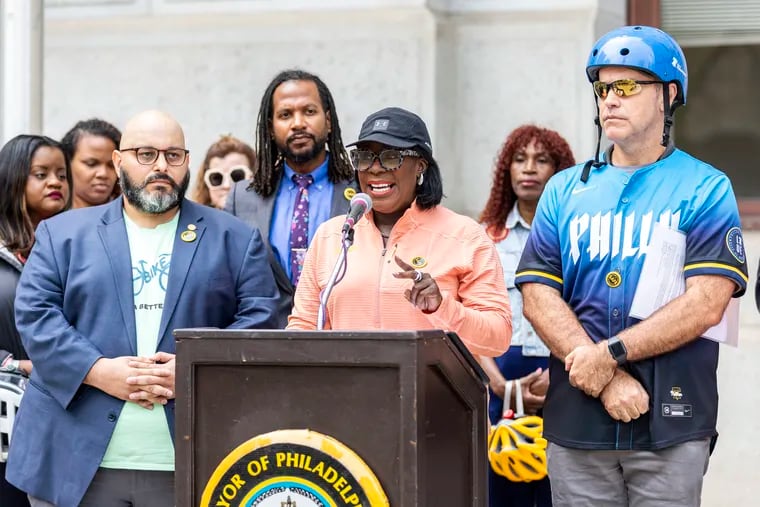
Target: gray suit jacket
256,211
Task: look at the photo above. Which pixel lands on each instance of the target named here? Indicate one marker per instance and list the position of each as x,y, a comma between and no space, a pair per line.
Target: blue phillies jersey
589,241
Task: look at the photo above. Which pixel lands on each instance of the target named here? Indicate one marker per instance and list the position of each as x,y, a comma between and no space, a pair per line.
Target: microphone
360,204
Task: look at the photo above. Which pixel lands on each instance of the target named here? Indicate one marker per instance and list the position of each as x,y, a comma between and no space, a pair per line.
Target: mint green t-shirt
141,439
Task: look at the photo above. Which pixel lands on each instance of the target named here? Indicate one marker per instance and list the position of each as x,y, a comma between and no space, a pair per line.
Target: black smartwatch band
617,350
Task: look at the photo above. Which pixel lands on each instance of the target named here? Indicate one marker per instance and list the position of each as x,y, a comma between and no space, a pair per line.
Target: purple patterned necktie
299,226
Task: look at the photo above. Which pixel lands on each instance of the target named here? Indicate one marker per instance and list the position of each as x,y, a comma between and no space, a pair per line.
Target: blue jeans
504,493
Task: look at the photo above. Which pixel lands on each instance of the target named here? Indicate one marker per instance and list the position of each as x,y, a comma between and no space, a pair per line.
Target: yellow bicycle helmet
516,448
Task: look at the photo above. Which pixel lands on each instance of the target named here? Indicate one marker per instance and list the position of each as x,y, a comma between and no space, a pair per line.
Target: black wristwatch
617,350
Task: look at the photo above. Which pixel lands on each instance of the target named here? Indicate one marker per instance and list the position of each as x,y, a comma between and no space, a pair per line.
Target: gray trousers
669,477
125,488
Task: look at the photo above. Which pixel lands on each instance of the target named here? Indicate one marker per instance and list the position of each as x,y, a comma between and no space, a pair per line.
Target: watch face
617,349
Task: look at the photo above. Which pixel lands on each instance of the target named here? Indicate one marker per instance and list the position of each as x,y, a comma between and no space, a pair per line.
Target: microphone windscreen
362,200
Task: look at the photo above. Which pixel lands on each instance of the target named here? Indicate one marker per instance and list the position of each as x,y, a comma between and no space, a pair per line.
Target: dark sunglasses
621,87
390,160
216,177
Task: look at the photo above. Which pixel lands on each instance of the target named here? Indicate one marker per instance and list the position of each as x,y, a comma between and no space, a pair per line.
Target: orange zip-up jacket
452,248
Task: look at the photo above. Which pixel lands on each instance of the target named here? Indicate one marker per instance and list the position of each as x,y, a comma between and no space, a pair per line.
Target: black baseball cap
396,127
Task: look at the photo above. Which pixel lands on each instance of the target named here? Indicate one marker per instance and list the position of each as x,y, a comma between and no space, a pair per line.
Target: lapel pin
419,262
349,193
189,235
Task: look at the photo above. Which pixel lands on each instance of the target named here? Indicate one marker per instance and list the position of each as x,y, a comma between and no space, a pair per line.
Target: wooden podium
411,405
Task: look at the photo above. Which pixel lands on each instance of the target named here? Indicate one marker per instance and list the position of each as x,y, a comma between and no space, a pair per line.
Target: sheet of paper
661,277
731,317
662,280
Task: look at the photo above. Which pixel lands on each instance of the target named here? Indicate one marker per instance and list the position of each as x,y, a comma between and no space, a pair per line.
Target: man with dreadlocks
304,176
632,403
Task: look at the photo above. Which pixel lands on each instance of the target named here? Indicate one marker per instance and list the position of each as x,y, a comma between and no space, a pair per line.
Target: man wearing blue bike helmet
632,403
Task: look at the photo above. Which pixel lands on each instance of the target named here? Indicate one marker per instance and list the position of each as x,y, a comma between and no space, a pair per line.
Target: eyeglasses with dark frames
621,87
390,160
147,155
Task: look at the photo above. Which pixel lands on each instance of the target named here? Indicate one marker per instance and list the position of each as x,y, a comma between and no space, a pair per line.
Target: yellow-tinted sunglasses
621,87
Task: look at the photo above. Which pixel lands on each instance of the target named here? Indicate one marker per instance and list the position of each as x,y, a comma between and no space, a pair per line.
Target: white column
21,29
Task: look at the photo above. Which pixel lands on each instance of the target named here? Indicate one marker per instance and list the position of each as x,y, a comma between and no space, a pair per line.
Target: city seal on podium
293,468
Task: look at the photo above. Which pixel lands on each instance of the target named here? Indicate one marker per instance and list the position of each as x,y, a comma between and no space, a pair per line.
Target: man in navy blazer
103,354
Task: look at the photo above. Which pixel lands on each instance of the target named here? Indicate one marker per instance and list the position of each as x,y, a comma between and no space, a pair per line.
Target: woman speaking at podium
413,264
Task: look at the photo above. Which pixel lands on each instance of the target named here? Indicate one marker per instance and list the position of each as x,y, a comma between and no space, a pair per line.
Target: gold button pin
419,262
188,236
191,227
349,193
613,279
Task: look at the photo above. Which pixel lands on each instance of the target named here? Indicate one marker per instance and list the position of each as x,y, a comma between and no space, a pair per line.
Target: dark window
721,121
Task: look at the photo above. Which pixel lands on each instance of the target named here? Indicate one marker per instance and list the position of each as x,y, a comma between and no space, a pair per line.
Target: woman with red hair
529,157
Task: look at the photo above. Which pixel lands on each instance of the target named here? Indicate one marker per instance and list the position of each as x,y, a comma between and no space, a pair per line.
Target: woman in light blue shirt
529,157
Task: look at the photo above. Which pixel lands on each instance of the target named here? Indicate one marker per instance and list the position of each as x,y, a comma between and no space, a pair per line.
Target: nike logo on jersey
578,190
606,234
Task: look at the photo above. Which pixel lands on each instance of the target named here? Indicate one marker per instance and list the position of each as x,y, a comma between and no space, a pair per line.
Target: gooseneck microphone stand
338,272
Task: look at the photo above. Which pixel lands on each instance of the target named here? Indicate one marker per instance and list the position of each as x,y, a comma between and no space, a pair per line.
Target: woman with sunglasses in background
227,161
34,185
414,264
89,145
529,157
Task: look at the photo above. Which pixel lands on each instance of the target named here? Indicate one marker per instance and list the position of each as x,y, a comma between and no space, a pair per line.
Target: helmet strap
668,114
519,407
593,163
